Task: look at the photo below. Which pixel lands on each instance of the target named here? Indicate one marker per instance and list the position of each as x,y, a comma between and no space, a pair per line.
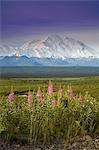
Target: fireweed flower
70,92
53,103
60,92
11,95
39,93
81,98
40,96
29,99
50,89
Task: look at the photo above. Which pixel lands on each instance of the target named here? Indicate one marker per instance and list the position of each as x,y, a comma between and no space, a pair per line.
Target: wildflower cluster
47,114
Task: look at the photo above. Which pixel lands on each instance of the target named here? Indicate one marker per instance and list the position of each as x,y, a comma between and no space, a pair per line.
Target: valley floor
79,84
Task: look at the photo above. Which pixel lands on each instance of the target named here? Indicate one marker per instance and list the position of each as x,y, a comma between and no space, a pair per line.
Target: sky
26,19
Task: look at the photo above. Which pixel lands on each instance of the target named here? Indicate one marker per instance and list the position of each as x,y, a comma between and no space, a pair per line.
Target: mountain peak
52,46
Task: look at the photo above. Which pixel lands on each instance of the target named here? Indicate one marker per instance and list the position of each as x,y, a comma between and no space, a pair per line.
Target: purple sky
24,18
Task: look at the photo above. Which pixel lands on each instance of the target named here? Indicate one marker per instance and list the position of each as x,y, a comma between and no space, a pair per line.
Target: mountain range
53,50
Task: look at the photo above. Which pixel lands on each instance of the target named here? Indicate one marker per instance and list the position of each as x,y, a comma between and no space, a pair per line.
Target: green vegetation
79,85
44,111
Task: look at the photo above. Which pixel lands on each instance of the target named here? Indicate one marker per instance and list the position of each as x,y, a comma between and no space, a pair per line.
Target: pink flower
81,98
40,96
39,93
11,97
29,99
53,103
50,89
70,92
60,92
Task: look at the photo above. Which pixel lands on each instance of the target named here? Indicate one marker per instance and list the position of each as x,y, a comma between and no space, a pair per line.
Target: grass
49,117
80,85
44,115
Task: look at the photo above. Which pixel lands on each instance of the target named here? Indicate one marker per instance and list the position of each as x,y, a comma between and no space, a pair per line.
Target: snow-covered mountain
54,46
53,50
6,50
